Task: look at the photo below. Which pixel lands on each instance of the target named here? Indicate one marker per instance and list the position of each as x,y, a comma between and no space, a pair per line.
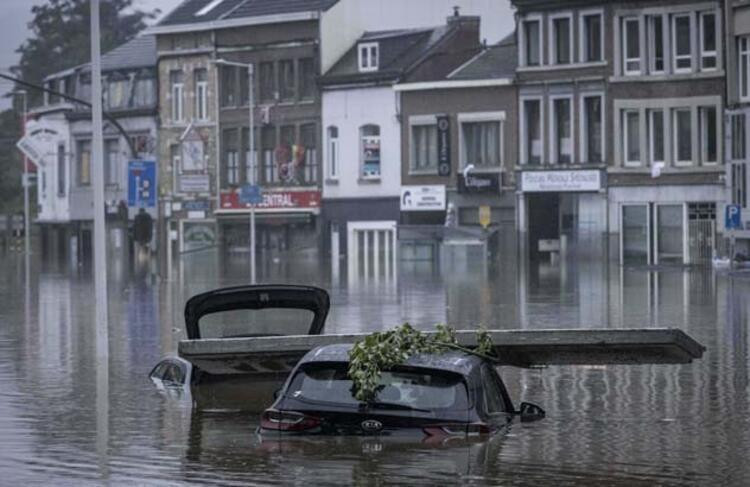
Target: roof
495,62
398,50
450,361
212,10
139,52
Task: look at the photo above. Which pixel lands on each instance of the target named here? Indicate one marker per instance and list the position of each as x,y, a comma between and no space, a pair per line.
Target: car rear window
256,322
420,389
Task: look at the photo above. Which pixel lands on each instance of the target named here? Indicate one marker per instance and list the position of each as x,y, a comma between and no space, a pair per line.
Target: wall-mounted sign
40,141
423,198
546,181
733,217
479,183
142,184
194,183
197,235
444,145
196,205
193,148
274,200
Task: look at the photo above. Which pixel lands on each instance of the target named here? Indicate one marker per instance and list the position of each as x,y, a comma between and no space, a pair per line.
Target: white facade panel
54,206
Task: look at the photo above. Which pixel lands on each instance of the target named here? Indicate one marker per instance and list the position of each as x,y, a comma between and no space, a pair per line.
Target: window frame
480,117
703,112
523,129
626,161
370,61
80,144
738,136
332,153
111,177
743,75
583,37
553,142
675,57
703,54
552,44
651,115
177,92
201,95
523,58
421,120
362,136
625,59
652,43
583,129
676,137
62,157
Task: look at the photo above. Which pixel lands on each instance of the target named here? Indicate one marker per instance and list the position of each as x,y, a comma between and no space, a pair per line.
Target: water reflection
65,416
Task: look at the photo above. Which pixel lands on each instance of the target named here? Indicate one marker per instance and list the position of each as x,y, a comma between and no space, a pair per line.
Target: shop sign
197,235
546,181
196,205
423,198
194,183
444,145
274,200
479,183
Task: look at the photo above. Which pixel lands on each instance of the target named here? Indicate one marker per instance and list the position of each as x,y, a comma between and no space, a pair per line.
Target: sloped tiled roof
497,61
139,52
398,50
186,12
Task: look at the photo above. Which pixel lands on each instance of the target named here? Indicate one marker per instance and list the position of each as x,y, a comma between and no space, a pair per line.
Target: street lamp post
26,216
251,147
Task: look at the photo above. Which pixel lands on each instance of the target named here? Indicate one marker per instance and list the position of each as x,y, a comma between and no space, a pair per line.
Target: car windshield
256,322
413,389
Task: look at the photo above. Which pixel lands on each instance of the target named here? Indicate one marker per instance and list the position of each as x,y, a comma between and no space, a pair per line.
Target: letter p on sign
732,217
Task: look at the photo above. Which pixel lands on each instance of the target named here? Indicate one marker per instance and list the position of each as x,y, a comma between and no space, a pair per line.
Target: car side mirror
530,412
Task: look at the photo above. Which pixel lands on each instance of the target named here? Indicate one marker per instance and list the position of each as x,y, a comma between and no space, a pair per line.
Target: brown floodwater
68,418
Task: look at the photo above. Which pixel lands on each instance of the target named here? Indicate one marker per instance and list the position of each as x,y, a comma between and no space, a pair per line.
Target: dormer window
368,56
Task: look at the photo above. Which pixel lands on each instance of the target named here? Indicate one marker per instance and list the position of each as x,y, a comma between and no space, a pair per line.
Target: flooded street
62,423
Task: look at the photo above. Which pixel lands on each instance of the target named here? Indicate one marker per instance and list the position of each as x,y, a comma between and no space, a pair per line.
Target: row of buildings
389,126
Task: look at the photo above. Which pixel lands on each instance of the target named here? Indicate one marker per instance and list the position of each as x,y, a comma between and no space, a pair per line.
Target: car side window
174,374
159,370
493,396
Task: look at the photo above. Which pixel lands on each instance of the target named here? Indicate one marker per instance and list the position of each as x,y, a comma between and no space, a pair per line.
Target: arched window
369,136
333,152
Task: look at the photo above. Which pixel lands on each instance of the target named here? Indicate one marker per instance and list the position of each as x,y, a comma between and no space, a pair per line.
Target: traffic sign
142,184
251,194
733,217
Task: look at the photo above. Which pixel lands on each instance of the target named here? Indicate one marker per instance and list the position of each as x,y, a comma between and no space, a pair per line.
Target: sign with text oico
423,198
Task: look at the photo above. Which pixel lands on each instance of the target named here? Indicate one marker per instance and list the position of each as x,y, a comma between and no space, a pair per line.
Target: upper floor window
631,45
267,81
111,162
631,122
229,88
424,154
231,157
531,131
532,40
306,78
61,170
592,128
562,129
368,56
682,121
177,90
144,92
592,39
708,42
201,94
481,141
286,79
708,134
333,152
83,163
655,36
370,151
738,136
561,39
682,52
743,51
117,92
656,135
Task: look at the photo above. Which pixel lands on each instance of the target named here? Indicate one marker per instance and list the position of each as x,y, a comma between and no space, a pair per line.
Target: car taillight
457,429
274,419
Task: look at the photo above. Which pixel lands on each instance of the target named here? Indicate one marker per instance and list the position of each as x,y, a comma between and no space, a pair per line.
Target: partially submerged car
432,395
230,313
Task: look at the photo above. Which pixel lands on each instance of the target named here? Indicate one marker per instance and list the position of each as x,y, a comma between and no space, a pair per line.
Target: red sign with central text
274,200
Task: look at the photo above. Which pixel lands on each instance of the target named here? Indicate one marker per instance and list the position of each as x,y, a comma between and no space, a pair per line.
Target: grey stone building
620,127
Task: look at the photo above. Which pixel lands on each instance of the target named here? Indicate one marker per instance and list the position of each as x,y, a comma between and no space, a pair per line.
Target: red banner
274,200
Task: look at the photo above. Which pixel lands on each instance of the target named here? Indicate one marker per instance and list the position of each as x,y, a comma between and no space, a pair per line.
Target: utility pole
25,181
100,244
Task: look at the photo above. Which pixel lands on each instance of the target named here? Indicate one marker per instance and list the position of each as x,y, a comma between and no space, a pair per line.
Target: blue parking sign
251,194
142,184
733,217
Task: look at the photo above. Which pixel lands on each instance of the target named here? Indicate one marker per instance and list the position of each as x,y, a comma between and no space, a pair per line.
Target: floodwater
63,420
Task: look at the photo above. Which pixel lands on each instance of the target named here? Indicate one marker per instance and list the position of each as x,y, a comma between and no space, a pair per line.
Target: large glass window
709,135
118,93
635,238
286,79
333,152
681,43
669,233
201,94
532,144
144,93
562,130
560,38
482,143
593,131
592,38
83,163
656,43
532,41
708,40
632,137
682,126
177,92
369,136
656,135
424,147
632,45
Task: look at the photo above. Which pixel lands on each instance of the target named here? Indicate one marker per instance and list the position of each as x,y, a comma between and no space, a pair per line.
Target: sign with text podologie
444,145
274,200
423,198
546,181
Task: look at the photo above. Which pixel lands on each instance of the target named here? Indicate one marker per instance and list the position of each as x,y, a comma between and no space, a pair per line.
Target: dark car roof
450,360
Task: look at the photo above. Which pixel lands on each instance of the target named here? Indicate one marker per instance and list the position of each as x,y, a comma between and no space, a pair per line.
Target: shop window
532,37
424,147
593,129
635,234
561,45
532,132
83,163
562,130
670,233
682,53
333,152
369,136
482,143
591,37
